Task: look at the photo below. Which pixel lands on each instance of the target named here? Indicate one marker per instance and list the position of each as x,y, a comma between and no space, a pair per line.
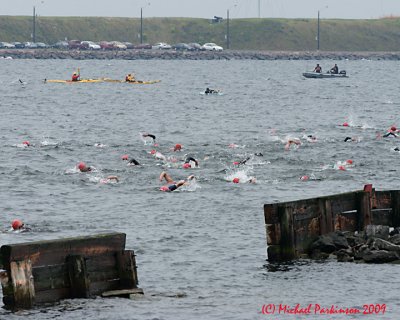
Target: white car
6,45
90,45
161,45
212,47
118,45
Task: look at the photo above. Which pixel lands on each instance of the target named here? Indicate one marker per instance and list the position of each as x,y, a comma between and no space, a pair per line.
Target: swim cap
304,178
236,163
349,161
153,151
125,157
235,180
345,124
16,224
164,188
186,166
81,166
26,143
177,147
342,168
393,128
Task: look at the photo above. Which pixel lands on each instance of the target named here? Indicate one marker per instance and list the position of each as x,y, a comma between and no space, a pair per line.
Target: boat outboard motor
342,72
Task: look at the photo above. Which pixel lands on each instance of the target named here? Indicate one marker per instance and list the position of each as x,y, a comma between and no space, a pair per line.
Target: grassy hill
246,34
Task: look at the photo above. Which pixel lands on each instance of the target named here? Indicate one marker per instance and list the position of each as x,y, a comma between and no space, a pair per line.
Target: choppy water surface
205,244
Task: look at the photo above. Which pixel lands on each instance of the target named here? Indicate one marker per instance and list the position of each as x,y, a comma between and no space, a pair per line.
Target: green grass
246,34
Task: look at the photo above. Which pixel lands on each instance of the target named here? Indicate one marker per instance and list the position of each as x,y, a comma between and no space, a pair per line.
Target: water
201,252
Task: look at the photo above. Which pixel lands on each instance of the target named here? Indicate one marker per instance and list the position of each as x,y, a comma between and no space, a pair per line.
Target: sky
329,9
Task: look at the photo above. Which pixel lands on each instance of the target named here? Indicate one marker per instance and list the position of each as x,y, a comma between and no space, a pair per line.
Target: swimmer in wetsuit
188,159
133,162
210,91
172,185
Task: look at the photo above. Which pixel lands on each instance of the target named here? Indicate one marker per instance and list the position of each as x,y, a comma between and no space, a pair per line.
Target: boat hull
315,75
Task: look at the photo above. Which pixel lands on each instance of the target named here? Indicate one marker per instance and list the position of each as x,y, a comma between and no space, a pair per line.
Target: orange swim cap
177,147
16,224
235,180
81,166
125,157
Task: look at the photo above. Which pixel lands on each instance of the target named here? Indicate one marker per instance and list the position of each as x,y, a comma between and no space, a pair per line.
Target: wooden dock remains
82,267
292,226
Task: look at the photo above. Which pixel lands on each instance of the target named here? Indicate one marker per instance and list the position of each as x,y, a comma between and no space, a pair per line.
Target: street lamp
228,35
318,29
34,25
141,23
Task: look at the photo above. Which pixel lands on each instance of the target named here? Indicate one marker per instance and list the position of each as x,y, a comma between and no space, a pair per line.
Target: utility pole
227,30
34,25
259,8
141,25
318,33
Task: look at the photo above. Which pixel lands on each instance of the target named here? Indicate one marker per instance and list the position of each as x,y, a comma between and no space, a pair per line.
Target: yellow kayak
70,81
131,82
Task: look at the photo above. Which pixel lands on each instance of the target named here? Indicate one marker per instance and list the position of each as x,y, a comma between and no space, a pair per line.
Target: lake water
201,250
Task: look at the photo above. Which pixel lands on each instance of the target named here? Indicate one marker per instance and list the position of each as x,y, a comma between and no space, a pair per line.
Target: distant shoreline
198,55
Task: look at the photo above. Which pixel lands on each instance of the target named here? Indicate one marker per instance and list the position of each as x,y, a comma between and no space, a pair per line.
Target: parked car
41,45
161,46
118,45
105,45
129,45
196,46
142,46
90,45
74,44
212,47
6,45
30,45
182,47
18,45
60,45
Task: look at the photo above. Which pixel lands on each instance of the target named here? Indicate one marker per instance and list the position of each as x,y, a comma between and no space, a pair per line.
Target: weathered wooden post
395,199
364,209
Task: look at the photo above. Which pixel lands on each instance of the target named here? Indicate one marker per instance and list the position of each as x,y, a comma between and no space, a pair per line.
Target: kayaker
318,68
76,76
335,69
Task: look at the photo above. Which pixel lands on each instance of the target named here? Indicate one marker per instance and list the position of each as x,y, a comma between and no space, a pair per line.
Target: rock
316,254
377,231
379,244
361,251
395,239
345,255
339,240
355,239
324,244
380,256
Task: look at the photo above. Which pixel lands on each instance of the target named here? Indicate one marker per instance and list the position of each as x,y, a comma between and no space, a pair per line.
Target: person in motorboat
76,76
335,69
318,68
210,91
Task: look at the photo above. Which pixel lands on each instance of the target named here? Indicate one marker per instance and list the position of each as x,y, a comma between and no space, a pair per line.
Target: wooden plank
50,277
102,262
127,269
53,295
382,217
79,281
271,213
122,293
364,210
22,283
51,252
287,239
97,288
395,204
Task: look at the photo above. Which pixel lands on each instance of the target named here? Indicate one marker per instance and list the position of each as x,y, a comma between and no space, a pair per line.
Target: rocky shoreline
198,55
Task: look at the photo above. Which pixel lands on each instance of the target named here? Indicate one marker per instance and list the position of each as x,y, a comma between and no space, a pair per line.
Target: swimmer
290,142
133,162
188,159
250,180
259,154
172,185
210,91
177,147
83,167
148,135
351,139
392,132
311,138
18,225
109,179
238,163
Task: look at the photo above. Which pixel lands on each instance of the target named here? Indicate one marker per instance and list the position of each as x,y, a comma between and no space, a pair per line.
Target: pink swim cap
16,224
186,166
81,166
164,188
342,168
125,157
345,124
236,163
26,143
304,178
153,151
235,180
349,161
